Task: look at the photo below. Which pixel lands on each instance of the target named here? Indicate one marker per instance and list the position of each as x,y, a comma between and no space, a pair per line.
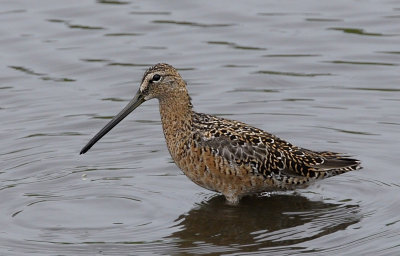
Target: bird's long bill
134,103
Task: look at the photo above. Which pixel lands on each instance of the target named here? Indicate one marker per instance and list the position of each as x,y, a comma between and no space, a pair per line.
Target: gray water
321,74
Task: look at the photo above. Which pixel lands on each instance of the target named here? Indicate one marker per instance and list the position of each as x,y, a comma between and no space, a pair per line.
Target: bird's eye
156,78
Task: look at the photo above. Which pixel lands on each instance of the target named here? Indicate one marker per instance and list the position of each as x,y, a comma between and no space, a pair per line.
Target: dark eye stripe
156,78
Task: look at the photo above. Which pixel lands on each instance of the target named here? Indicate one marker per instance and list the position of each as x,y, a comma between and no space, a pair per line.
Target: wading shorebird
224,155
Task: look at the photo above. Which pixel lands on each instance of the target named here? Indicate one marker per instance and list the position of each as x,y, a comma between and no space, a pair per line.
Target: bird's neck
176,117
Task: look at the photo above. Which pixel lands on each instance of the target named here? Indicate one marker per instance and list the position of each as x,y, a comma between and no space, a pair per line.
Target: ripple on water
75,26
192,24
361,63
112,2
123,34
236,46
150,13
42,75
357,31
284,73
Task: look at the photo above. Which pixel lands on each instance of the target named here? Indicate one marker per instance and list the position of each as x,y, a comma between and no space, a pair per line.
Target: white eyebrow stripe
144,84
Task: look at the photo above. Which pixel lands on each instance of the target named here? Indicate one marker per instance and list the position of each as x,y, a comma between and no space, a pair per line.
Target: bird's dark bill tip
84,150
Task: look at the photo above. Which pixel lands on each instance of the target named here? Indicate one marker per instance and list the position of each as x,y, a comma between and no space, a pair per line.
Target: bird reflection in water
260,223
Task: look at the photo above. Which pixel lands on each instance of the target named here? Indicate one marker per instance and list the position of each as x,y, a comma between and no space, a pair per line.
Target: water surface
321,75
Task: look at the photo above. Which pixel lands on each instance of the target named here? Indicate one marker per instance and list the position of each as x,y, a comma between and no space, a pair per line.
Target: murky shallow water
323,76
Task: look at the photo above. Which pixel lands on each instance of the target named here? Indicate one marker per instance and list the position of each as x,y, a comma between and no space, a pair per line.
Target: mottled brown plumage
224,155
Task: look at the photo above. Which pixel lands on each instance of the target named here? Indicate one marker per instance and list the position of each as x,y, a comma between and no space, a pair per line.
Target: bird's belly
215,173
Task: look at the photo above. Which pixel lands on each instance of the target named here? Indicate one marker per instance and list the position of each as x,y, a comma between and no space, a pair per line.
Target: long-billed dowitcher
224,155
